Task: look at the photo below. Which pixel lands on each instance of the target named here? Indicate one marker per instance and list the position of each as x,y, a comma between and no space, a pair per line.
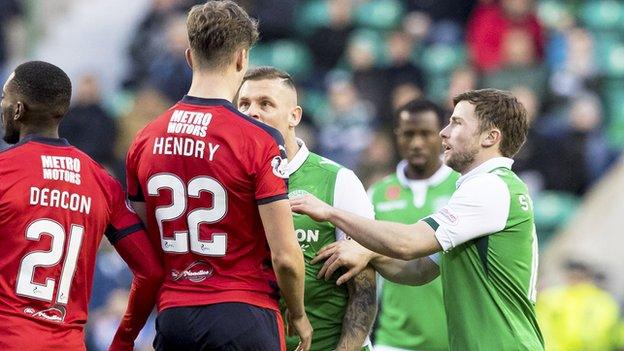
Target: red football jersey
202,168
55,205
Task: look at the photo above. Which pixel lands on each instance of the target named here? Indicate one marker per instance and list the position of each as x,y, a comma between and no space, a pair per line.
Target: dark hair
419,106
217,29
268,72
44,88
499,109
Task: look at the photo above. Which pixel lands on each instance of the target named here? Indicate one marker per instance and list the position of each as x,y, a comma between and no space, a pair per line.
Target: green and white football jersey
325,303
411,317
489,266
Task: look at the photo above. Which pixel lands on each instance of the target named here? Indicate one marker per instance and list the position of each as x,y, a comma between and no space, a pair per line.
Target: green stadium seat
602,14
311,15
380,14
442,58
552,210
373,38
610,54
289,55
553,12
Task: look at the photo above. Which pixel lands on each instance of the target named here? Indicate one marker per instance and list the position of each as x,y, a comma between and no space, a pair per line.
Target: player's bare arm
390,239
288,264
361,311
354,258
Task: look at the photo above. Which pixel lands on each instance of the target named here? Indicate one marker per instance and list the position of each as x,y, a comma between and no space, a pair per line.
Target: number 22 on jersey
180,192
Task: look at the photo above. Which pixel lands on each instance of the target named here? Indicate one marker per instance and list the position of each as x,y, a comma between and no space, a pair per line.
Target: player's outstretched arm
138,253
418,271
361,311
395,240
288,264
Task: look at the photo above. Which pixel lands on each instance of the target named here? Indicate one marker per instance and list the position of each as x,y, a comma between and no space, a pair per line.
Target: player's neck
422,173
212,86
27,131
292,147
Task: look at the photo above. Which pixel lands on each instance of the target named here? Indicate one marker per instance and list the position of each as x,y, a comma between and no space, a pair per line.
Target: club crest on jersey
278,164
393,192
52,314
196,272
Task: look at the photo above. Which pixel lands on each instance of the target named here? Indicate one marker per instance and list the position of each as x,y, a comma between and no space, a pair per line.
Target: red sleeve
126,233
140,256
132,180
271,177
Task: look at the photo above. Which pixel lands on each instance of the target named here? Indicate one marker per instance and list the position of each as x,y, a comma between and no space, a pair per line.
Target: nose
417,142
444,132
254,112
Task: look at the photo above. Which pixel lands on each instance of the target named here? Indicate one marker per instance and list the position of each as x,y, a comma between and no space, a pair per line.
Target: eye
266,103
243,106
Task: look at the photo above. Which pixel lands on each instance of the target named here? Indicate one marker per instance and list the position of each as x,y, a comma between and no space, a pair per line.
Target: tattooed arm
361,311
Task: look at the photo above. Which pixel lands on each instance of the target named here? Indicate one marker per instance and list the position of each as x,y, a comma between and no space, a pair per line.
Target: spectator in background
463,79
401,69
367,78
530,161
577,150
573,62
9,11
147,104
149,40
579,315
347,130
490,23
520,65
169,72
399,96
88,125
378,158
328,43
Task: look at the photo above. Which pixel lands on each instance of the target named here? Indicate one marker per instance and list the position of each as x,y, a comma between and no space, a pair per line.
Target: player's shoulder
389,180
324,164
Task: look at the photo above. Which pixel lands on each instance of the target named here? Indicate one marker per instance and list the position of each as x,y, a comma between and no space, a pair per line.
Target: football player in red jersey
56,203
211,183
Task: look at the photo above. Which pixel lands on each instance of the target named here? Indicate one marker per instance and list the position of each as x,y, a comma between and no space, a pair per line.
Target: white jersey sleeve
480,206
350,196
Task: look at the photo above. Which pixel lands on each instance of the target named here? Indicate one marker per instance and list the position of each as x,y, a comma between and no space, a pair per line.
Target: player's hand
301,326
311,206
343,253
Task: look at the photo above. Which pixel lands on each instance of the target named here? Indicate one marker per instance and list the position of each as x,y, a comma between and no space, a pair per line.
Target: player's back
202,168
55,206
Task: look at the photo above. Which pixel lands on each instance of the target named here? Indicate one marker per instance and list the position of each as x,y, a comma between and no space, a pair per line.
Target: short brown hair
217,29
499,109
268,72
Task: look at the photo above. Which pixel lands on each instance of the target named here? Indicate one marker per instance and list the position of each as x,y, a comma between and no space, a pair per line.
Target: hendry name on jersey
183,147
61,199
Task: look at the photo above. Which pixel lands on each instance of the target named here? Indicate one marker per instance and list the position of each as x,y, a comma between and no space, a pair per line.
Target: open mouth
446,147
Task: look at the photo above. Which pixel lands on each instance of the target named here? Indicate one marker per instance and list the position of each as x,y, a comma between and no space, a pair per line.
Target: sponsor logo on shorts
196,272
52,314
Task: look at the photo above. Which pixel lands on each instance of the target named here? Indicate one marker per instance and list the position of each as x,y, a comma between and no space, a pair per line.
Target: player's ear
19,111
242,57
189,57
491,138
294,118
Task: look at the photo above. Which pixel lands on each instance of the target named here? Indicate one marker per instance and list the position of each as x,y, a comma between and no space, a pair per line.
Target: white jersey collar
486,167
300,157
438,177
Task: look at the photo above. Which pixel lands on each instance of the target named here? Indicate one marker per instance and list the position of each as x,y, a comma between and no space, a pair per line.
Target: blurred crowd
354,62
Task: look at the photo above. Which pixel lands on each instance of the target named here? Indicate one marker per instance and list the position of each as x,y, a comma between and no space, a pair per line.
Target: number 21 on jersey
180,192
25,285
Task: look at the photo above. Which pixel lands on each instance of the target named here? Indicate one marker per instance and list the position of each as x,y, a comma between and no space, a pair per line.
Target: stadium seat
553,12
602,14
552,209
311,15
380,14
289,55
440,58
610,54
614,112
